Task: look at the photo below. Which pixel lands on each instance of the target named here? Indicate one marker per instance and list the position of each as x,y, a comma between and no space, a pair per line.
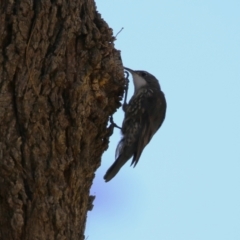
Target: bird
144,115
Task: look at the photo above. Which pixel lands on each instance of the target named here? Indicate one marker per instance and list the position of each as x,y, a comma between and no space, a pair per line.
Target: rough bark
60,79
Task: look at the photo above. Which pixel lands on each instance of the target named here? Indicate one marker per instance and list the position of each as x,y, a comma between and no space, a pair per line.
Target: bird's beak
137,79
134,74
128,69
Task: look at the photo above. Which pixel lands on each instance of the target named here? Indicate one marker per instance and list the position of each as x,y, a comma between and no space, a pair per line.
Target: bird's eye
143,74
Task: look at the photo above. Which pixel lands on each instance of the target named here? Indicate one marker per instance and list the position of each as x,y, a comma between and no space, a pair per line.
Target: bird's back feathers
149,121
144,115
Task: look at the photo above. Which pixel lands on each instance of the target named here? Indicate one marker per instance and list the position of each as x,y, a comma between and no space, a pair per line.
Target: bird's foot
113,124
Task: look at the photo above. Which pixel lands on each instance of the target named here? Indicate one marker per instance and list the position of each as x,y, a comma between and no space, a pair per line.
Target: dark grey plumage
144,115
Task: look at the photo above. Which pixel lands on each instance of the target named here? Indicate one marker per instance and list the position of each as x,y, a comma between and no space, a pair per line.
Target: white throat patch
138,81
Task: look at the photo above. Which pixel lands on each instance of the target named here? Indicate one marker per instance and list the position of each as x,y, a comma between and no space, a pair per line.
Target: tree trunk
60,79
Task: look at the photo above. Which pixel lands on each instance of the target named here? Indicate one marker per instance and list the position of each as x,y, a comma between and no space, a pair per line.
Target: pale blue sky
186,185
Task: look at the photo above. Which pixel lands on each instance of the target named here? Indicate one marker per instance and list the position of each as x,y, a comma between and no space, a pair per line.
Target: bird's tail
123,154
114,169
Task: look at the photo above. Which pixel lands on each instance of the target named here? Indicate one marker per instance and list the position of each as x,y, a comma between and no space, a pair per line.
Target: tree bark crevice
60,80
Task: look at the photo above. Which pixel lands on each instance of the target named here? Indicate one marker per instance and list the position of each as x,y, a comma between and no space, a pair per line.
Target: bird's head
143,79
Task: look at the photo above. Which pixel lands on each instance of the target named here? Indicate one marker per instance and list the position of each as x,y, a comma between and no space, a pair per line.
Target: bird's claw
113,124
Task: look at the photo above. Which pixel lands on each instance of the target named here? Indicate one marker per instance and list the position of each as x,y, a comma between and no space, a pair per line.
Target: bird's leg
112,126
126,92
113,123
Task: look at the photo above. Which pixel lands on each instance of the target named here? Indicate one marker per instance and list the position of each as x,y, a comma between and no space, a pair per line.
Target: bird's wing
151,114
